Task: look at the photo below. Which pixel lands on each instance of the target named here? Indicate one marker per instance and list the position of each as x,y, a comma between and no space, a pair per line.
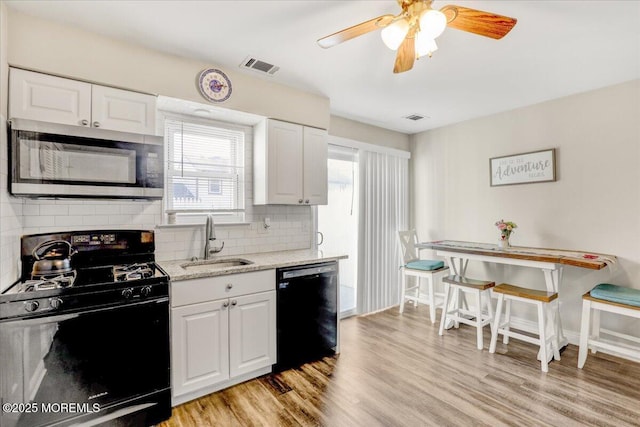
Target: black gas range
84,333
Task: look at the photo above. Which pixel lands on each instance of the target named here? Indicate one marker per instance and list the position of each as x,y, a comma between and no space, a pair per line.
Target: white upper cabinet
315,166
118,109
290,164
46,98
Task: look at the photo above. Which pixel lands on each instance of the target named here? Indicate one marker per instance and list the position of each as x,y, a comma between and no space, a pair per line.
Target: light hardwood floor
394,370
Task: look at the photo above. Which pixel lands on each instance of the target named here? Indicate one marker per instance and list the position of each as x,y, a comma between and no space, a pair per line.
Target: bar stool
454,284
542,300
612,299
420,269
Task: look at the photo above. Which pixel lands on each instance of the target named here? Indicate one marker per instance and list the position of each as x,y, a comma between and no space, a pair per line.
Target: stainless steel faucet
210,236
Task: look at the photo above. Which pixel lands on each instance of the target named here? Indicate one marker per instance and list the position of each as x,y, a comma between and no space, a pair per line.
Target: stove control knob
31,305
127,293
145,291
55,303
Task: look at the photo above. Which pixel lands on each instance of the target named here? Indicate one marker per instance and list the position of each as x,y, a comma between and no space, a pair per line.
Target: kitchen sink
214,264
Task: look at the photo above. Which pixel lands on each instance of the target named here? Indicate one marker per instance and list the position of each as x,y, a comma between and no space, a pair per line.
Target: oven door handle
45,319
53,318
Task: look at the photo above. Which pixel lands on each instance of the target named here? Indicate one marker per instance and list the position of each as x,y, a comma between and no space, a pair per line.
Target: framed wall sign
525,168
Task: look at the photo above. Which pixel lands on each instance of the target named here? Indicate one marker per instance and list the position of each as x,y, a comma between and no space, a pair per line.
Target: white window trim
198,218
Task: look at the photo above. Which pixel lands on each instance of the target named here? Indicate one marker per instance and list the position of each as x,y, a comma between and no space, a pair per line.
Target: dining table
549,261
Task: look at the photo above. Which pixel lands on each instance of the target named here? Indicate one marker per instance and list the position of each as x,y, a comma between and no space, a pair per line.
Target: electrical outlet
263,227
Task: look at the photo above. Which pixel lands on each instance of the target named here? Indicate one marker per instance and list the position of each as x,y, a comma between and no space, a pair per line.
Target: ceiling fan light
425,45
393,35
433,22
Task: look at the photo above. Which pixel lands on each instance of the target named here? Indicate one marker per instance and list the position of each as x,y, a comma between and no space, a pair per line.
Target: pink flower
506,228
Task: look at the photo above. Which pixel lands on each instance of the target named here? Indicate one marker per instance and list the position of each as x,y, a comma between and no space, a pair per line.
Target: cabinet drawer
212,288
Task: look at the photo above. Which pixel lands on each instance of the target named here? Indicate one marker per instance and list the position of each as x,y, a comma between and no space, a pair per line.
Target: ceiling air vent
414,117
260,66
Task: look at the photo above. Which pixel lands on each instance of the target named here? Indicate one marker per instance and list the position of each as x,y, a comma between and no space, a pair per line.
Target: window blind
205,168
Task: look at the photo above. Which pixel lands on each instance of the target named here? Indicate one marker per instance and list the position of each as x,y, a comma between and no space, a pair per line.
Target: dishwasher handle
311,271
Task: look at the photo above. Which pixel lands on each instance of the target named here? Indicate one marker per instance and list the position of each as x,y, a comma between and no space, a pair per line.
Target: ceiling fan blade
478,22
355,31
406,53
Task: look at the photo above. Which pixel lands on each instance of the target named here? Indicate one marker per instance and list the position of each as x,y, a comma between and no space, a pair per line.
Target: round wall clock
214,85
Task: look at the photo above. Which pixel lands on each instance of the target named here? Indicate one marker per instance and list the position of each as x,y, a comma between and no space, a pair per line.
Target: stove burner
47,283
124,273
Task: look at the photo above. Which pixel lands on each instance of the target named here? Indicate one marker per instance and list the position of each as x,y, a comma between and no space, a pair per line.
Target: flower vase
504,243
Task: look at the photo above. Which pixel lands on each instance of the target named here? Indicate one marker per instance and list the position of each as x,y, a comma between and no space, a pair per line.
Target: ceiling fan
414,30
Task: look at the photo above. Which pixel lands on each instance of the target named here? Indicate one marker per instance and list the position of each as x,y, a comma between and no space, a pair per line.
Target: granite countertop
260,261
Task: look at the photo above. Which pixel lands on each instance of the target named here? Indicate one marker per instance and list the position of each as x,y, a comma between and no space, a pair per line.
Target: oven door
59,370
45,163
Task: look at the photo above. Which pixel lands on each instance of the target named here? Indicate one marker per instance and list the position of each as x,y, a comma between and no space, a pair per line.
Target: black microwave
55,160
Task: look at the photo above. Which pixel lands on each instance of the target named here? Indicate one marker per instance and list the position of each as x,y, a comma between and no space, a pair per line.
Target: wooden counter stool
454,284
613,299
541,299
420,269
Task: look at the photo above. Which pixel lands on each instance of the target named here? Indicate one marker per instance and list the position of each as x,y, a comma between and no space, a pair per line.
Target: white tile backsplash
284,234
53,209
289,226
68,221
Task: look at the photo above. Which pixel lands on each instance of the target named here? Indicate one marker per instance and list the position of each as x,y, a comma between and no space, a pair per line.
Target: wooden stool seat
468,282
541,299
479,288
518,291
590,329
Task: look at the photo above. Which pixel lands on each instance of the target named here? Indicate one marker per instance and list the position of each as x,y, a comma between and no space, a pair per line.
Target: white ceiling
557,48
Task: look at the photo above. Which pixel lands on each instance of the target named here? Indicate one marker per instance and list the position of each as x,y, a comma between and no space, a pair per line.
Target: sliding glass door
338,222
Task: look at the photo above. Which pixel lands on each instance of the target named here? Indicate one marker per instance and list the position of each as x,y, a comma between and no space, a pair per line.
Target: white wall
593,206
357,131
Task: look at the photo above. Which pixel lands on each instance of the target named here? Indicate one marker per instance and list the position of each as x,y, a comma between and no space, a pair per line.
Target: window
205,169
215,186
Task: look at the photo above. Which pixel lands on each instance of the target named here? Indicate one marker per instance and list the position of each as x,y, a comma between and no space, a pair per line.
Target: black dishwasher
307,315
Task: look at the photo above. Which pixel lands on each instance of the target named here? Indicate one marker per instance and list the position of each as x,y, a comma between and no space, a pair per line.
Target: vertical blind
205,167
384,210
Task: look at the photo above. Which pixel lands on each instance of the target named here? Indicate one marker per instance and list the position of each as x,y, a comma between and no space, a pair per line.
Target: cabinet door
252,332
46,98
315,166
122,110
200,346
284,159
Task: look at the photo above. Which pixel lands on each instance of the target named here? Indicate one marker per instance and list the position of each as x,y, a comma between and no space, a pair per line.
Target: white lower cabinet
200,354
218,343
252,321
